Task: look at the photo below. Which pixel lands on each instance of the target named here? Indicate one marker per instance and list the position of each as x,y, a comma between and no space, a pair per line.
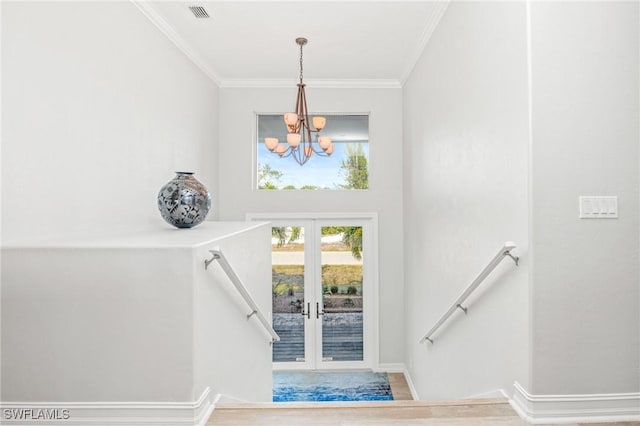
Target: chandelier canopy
300,145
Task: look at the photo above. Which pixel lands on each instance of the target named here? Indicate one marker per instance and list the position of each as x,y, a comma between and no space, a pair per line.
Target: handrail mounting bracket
251,314
516,259
462,308
207,262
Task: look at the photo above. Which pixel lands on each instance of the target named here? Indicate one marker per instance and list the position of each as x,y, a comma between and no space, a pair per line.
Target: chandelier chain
301,63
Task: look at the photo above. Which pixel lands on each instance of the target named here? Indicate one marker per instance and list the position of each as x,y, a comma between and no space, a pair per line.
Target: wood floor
399,387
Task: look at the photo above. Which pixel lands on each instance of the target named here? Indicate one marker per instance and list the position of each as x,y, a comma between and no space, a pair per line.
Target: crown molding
317,83
430,27
150,12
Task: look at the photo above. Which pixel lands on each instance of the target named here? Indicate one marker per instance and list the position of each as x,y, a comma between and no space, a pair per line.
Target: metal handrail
504,251
237,282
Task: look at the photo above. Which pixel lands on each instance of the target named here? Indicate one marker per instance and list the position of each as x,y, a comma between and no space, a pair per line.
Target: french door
323,293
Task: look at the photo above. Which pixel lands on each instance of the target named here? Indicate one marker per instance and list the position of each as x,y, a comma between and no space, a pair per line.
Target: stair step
480,412
360,404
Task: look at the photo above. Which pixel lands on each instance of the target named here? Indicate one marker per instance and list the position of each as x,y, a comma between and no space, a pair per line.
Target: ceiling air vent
199,11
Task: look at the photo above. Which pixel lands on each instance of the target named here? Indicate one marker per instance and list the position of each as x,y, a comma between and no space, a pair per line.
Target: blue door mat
330,386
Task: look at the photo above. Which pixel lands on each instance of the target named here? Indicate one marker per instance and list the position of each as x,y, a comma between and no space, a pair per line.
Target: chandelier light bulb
271,143
319,122
324,142
291,118
293,139
329,150
280,150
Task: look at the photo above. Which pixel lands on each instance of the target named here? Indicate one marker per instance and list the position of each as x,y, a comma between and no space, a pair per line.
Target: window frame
255,139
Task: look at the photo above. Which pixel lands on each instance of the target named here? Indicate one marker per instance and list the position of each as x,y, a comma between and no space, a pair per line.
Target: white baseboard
109,413
558,409
391,367
228,399
494,394
412,387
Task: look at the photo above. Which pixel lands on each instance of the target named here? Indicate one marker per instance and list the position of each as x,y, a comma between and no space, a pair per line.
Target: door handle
318,313
308,313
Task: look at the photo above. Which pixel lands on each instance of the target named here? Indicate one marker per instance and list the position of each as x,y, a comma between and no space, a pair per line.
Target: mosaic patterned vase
184,202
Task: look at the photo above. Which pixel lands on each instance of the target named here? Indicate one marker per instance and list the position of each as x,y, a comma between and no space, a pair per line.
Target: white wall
465,193
586,301
97,324
99,109
134,325
237,196
233,353
479,141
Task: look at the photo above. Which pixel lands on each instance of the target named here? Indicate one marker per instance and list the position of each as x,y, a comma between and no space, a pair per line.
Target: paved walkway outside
328,258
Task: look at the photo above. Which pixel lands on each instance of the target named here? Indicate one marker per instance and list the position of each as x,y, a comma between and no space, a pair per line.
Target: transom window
347,167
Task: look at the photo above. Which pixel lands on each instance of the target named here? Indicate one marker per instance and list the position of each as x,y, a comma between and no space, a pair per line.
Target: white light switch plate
598,207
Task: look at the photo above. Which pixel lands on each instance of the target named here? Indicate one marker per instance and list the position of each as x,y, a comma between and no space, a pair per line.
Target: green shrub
334,289
351,290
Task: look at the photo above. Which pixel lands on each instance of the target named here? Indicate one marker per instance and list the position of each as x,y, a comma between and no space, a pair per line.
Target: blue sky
318,171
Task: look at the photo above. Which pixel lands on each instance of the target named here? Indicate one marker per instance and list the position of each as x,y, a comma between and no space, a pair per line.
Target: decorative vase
184,202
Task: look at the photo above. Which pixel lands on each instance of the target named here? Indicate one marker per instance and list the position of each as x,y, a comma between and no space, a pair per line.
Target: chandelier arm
299,100
286,154
301,109
299,156
306,149
298,108
306,123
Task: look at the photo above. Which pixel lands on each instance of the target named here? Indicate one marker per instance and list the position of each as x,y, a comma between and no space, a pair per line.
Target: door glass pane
287,282
342,287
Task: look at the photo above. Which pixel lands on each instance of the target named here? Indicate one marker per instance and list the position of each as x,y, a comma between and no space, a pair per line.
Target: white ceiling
252,43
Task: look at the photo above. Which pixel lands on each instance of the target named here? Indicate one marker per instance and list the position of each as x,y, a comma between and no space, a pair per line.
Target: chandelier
299,144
